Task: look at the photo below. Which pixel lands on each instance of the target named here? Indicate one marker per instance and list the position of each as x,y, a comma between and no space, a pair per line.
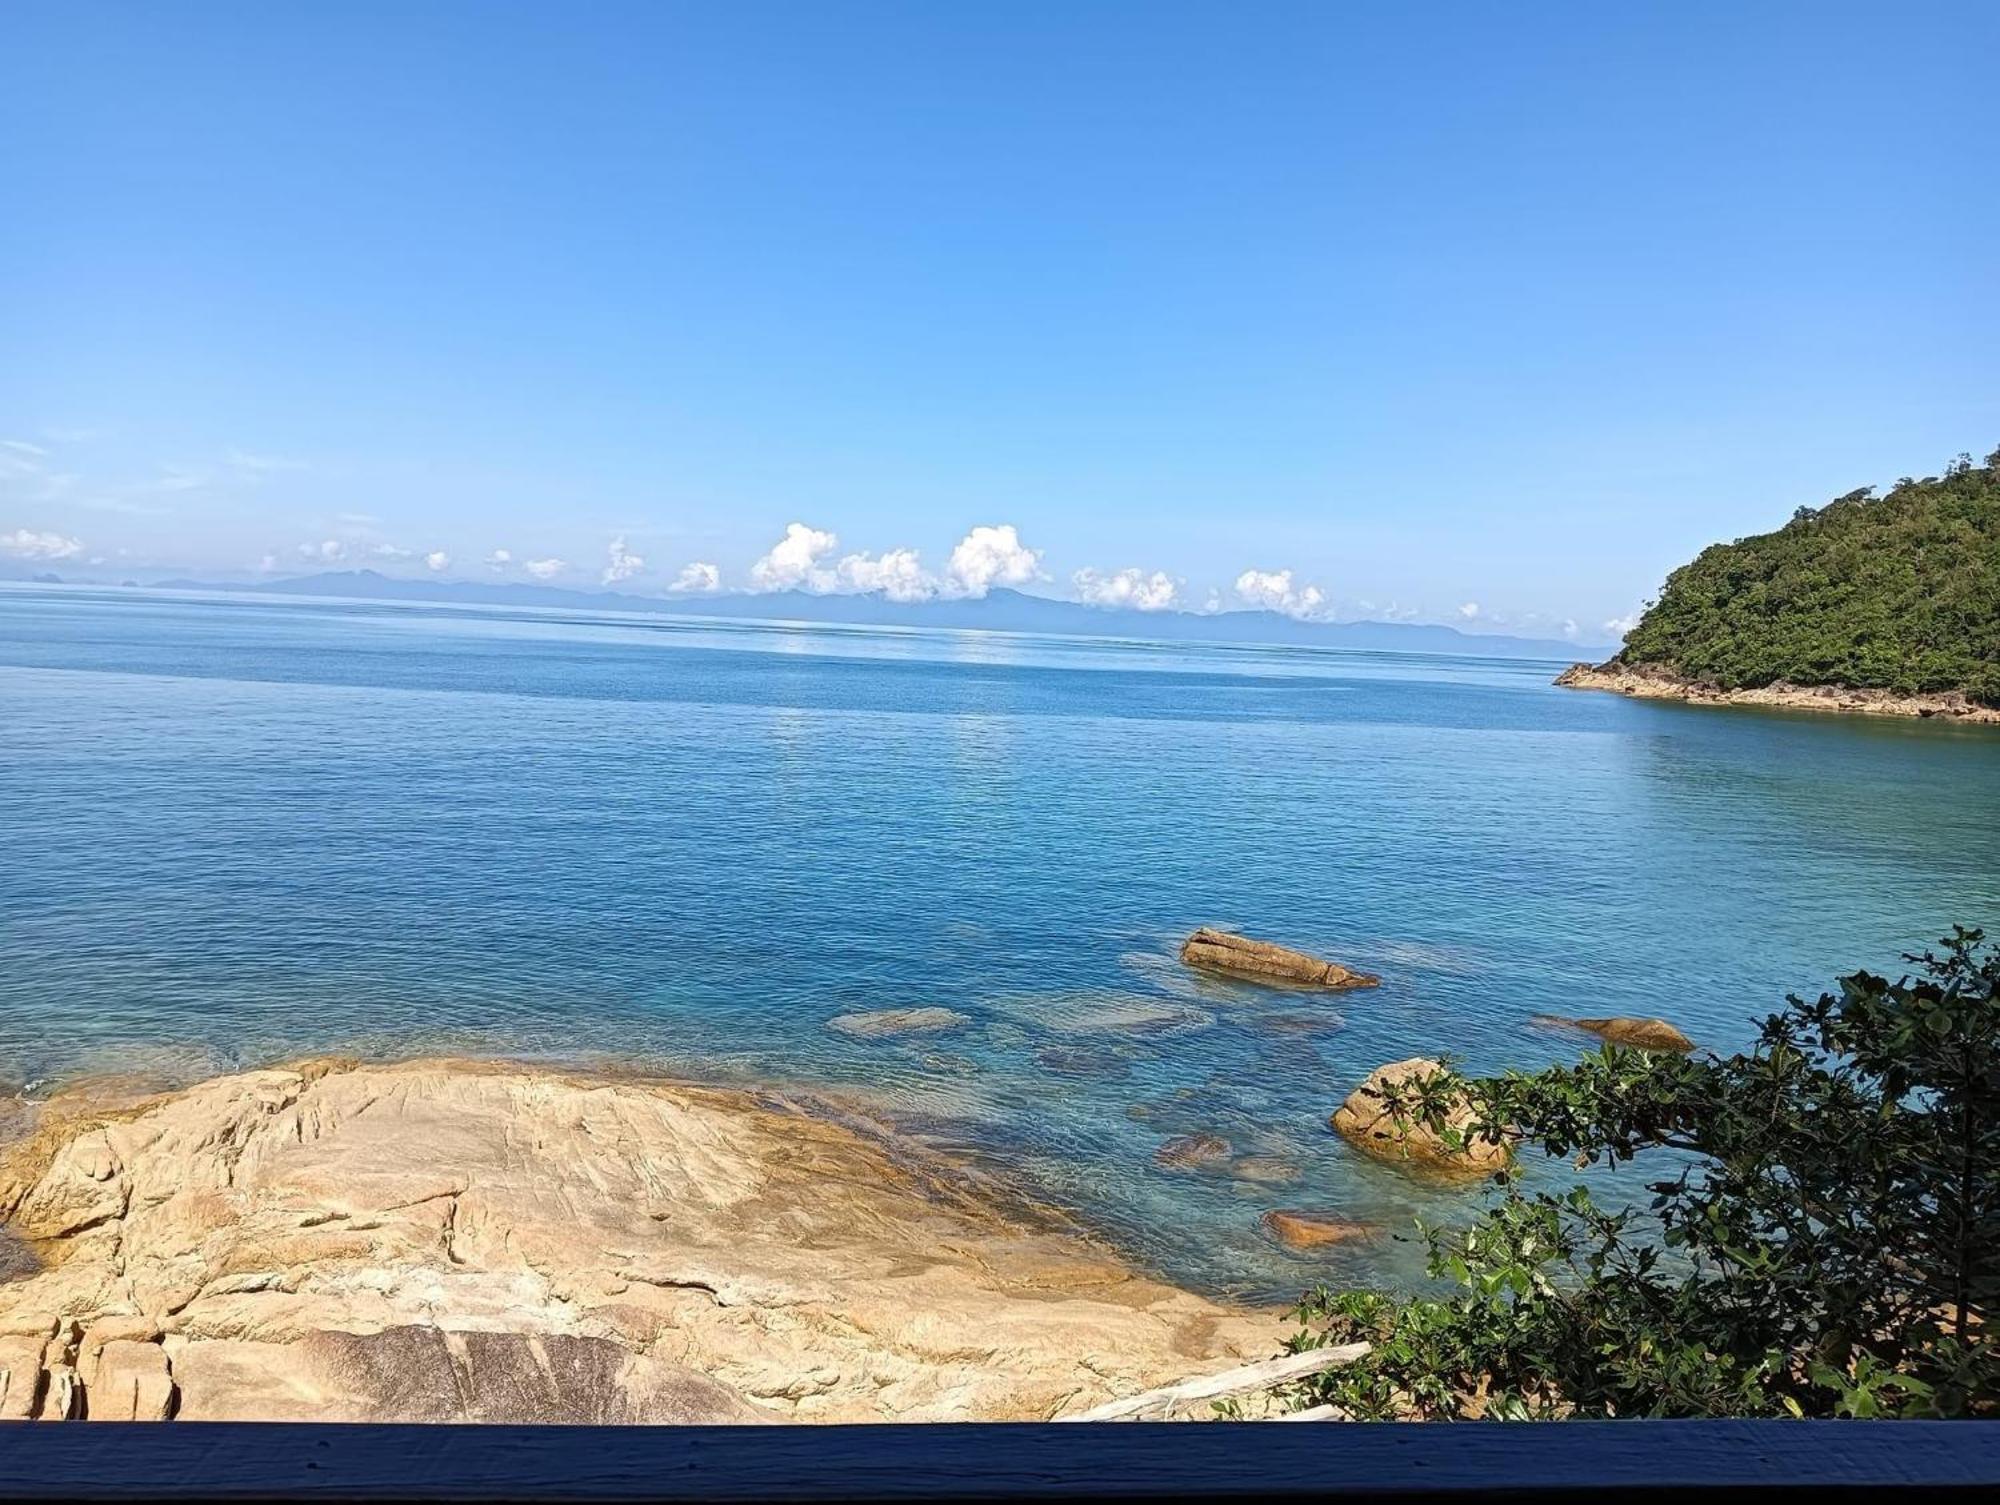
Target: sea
237,829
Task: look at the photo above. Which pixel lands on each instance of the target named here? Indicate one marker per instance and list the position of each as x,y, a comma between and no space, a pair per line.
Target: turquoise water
233,830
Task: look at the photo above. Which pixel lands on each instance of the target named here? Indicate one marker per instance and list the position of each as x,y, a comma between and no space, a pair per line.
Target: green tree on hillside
1898,592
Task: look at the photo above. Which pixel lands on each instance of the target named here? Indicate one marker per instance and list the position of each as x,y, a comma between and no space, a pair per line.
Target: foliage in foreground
1898,592
1825,1240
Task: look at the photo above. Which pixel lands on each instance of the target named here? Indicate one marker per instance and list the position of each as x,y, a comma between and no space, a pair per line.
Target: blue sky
1371,310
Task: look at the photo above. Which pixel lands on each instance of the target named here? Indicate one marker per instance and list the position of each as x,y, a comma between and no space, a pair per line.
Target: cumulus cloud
326,551
545,569
990,556
621,563
1131,588
437,560
498,560
699,579
1275,590
986,557
794,561
26,545
898,574
390,551
1469,610
1619,626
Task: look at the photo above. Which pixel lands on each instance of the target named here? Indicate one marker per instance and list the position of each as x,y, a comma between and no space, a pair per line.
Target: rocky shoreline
1657,682
478,1241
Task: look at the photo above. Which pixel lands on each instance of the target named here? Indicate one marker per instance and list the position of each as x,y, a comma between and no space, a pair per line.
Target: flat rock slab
468,1241
1261,961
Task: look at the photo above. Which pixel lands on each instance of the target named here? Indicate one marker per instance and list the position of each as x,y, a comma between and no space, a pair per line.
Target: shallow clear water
233,830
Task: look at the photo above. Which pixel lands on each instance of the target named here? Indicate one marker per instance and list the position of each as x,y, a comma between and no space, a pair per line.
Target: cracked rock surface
461,1241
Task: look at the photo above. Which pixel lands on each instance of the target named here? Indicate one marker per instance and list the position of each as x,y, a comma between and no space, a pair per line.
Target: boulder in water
1365,1121
1640,1034
1261,961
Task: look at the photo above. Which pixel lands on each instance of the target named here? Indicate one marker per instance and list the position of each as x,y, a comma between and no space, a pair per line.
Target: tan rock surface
1262,961
1641,1034
458,1241
1315,1230
1365,1121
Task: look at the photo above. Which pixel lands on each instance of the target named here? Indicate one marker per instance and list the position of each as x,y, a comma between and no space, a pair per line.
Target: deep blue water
233,830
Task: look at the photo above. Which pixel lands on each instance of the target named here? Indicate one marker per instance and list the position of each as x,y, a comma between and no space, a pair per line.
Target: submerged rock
1265,1170
884,1022
1082,1060
1262,961
1365,1121
1192,1152
1313,1230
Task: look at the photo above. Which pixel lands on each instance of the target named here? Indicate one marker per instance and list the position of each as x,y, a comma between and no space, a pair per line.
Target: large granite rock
468,1242
1366,1122
1261,961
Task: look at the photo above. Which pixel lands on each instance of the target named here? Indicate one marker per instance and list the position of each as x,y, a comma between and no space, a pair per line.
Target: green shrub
1824,1240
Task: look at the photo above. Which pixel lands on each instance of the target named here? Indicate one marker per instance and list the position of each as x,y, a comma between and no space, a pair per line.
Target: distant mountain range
997,611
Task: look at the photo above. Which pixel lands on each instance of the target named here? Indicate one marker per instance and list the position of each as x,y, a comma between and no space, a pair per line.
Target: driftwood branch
1251,1378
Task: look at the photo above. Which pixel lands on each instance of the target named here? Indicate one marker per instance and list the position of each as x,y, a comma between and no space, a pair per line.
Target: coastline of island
1660,682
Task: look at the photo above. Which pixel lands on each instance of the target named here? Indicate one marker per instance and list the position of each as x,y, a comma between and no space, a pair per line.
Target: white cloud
898,574
1130,588
1274,590
437,560
258,466
268,565
326,551
25,545
990,556
175,478
390,551
545,569
1469,610
1568,627
23,447
1622,625
699,579
622,563
794,561
499,559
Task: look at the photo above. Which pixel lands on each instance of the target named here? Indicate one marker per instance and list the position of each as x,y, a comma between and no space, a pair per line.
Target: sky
1473,313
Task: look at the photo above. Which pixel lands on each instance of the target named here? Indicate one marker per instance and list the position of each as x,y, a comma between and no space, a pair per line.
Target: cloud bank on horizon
986,557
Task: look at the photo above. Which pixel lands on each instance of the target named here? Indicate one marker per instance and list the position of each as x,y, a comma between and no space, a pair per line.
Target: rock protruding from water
1367,1123
1315,1230
1639,1034
881,1023
1261,961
